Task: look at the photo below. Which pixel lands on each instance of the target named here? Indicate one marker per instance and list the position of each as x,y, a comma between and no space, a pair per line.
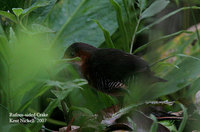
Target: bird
107,69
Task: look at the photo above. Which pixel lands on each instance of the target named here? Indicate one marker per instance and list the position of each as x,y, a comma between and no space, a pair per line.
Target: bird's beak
75,60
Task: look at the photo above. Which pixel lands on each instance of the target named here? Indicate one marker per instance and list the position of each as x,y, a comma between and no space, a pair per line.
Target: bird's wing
112,87
116,65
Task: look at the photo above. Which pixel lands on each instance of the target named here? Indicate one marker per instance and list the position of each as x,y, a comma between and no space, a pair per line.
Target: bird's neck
84,55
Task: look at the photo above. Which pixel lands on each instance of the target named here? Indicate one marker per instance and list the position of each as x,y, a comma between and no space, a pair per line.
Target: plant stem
167,16
56,122
64,110
134,34
195,24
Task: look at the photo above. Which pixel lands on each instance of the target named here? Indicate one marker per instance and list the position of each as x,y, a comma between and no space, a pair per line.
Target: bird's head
79,50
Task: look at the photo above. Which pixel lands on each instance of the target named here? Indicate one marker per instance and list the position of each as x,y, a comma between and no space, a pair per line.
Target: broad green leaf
182,52
106,35
37,4
154,8
43,12
178,78
72,20
17,11
8,15
161,66
38,29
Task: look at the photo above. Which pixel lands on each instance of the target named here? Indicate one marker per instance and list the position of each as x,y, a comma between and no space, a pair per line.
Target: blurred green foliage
35,33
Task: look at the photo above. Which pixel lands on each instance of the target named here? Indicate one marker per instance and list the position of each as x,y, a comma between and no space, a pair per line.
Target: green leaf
19,128
164,64
73,21
83,109
159,39
8,15
166,16
31,95
37,4
125,110
106,35
193,89
154,126
154,8
49,109
142,4
17,11
121,25
12,36
178,78
61,94
67,85
30,56
185,117
39,29
80,82
43,12
170,125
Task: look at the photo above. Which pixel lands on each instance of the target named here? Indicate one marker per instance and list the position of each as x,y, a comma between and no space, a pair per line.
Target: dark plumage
107,70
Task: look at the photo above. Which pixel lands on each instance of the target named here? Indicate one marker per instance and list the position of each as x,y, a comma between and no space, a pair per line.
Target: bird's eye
72,54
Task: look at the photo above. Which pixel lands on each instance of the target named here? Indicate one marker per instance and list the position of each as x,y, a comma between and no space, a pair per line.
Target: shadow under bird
107,70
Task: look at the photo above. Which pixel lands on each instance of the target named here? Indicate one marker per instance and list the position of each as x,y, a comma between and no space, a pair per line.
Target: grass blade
154,126
9,16
181,55
159,39
166,16
35,92
121,24
185,117
106,35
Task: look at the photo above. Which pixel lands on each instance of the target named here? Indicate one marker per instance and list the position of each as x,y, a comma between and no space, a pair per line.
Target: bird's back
117,63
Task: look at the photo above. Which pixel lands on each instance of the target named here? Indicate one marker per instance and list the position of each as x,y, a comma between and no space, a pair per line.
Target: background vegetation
34,78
